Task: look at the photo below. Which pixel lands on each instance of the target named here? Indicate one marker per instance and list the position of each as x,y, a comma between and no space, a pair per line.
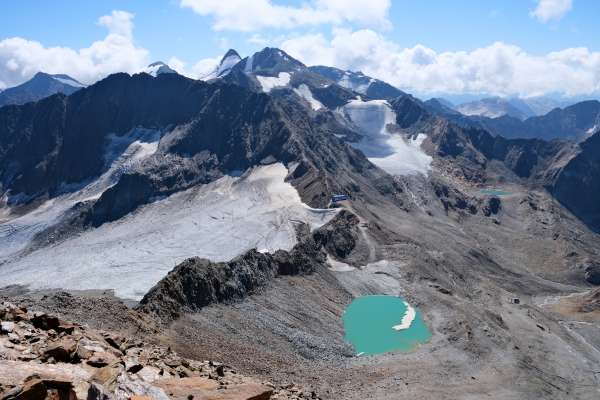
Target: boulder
61,351
100,360
33,389
108,376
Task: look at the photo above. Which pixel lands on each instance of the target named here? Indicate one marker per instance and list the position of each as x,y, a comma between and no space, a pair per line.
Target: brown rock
33,389
107,376
83,353
61,351
114,341
100,360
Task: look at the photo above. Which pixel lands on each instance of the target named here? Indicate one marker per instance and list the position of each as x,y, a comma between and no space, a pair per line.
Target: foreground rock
42,357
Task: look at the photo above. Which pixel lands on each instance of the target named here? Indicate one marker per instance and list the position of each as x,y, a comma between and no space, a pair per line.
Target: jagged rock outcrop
340,236
197,282
582,171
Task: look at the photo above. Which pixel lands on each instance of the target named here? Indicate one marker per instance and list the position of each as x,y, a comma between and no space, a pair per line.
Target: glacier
391,152
217,221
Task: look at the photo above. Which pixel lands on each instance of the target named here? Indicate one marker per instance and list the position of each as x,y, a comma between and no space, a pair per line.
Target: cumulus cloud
547,10
498,69
21,58
253,15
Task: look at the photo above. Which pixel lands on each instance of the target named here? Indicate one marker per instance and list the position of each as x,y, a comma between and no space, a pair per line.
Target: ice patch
592,130
227,64
268,83
408,318
338,266
347,82
153,69
391,152
248,66
217,221
304,92
69,82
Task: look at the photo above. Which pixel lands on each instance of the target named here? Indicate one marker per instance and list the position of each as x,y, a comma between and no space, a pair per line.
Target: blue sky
167,29
192,33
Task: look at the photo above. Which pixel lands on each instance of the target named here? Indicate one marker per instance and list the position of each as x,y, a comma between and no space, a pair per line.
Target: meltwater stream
381,324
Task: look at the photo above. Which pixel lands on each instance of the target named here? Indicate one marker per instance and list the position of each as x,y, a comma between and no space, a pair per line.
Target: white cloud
21,58
253,15
498,69
547,10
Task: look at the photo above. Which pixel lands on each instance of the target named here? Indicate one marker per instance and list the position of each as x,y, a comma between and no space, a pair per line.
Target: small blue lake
380,324
494,192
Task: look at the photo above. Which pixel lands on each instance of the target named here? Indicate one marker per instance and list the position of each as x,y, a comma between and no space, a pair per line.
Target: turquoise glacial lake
381,324
494,192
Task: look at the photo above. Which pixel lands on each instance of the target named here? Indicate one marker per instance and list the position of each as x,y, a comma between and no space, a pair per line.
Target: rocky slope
42,357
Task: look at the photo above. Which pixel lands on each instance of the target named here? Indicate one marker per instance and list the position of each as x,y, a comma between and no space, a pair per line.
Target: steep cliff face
577,184
61,140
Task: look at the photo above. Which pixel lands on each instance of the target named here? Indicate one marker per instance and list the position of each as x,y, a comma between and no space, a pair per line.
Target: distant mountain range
494,107
575,122
40,86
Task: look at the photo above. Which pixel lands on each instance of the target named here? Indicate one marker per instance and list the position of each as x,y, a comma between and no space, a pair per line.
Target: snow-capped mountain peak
359,82
271,61
40,86
158,68
229,60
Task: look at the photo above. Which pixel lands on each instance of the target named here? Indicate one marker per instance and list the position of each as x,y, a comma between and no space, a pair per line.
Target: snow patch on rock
68,81
227,64
347,82
391,152
338,266
304,92
269,83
